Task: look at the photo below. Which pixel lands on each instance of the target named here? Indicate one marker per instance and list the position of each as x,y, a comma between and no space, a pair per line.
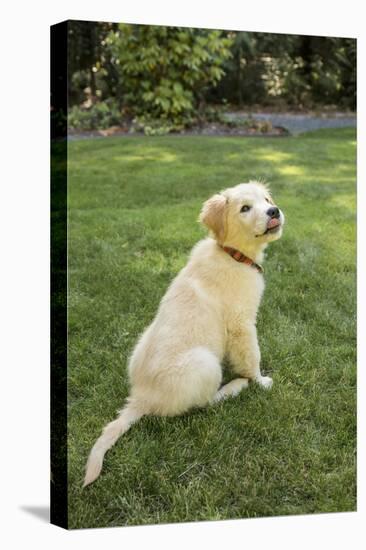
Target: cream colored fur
208,312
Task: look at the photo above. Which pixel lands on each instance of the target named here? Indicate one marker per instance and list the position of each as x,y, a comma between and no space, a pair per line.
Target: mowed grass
133,206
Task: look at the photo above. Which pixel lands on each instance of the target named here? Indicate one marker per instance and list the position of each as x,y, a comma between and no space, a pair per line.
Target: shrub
98,116
164,72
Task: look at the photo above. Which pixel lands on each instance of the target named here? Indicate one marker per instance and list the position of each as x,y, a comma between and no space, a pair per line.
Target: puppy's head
244,214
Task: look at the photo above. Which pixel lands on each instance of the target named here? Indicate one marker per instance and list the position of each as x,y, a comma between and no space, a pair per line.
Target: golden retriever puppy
208,312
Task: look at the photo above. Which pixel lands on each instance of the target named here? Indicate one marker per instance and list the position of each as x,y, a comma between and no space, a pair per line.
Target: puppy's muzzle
274,221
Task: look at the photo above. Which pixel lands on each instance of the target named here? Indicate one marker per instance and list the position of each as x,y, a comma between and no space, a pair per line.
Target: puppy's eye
245,208
268,200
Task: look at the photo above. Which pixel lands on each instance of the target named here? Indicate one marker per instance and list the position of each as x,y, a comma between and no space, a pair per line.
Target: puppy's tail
112,431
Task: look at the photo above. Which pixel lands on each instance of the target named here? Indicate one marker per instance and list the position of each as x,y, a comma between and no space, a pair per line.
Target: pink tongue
273,222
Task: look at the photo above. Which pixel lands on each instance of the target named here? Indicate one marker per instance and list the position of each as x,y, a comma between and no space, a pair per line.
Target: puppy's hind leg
231,389
193,382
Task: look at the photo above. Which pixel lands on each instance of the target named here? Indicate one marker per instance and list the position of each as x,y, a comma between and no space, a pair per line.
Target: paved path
297,123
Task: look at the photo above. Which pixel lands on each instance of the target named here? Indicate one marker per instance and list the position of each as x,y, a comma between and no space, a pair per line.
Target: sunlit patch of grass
274,156
132,222
291,170
164,156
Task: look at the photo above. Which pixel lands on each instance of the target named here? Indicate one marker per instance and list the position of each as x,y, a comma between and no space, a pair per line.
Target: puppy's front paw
265,382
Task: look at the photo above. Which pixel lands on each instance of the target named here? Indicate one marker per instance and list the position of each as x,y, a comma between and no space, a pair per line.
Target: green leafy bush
164,72
98,116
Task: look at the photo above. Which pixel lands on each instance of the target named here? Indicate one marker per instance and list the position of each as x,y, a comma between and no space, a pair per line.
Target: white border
25,270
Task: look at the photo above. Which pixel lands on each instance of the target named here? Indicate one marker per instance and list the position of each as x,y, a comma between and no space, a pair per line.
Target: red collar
242,258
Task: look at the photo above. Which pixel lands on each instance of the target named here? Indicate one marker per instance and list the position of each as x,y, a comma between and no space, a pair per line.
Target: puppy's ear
213,215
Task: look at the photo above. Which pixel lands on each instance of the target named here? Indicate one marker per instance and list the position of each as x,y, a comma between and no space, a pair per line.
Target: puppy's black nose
273,212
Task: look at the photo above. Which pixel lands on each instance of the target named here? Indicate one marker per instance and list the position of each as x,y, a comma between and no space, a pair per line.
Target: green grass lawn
133,206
